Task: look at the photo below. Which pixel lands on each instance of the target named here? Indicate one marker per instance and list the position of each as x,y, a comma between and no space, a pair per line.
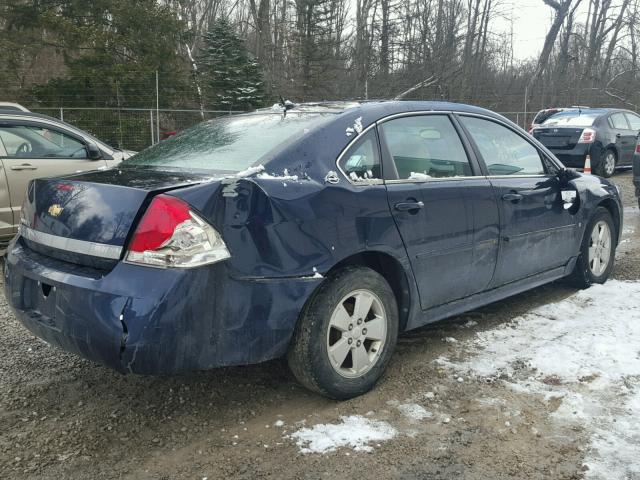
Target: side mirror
569,198
93,152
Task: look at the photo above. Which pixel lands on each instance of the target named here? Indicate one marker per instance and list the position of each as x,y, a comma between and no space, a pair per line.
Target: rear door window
425,146
504,152
362,161
618,121
634,121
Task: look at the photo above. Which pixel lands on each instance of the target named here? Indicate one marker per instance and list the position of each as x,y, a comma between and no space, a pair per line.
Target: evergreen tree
230,77
102,53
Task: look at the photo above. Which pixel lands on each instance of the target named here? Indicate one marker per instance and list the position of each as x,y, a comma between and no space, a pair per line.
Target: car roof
381,108
591,111
12,106
20,113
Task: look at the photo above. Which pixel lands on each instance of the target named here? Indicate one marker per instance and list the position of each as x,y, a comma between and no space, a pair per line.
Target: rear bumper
152,321
576,157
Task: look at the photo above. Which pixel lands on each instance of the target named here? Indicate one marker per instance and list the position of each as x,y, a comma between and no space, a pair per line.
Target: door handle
618,135
24,166
409,206
512,197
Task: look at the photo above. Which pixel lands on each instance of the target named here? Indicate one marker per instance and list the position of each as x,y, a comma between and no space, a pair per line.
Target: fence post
151,126
62,114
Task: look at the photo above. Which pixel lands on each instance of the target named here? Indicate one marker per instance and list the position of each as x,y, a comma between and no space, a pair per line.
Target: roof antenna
286,105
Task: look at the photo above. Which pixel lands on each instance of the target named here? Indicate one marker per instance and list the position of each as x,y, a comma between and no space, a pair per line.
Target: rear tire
597,251
607,166
346,334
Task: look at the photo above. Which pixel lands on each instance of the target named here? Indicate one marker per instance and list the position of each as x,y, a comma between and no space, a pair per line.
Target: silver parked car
33,146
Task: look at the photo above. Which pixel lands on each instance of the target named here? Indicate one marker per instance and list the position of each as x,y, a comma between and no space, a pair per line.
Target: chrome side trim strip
83,247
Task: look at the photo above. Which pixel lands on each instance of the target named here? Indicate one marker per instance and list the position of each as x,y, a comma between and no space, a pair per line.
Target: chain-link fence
130,128
136,129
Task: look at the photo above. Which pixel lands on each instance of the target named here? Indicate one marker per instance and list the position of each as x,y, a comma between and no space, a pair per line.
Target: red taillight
159,223
638,147
171,235
588,136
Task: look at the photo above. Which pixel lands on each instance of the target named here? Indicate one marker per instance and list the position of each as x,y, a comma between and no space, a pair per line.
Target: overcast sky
531,21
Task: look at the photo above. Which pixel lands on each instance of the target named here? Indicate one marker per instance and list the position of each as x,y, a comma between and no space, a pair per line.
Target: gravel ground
63,417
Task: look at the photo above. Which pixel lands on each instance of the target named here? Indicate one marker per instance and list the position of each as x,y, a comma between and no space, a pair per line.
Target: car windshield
572,119
229,144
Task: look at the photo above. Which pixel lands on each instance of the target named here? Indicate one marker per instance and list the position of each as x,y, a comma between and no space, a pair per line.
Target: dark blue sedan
317,232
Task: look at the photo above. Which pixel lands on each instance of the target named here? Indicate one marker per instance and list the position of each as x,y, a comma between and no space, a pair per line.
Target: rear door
446,215
35,150
537,233
634,123
625,138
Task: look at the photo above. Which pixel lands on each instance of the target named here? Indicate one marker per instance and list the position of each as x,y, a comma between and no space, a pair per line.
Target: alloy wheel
609,164
599,248
357,333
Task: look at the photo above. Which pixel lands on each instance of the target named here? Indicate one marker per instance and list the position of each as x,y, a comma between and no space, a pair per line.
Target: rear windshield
542,115
572,119
229,144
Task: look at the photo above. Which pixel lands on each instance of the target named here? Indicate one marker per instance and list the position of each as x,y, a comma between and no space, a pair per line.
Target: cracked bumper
150,321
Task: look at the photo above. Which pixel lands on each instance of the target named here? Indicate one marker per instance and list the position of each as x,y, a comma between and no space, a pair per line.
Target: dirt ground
63,417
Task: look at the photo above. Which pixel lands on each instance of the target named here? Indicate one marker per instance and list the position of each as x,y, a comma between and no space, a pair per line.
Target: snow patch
354,432
272,176
356,128
366,176
316,274
583,351
420,177
248,172
414,412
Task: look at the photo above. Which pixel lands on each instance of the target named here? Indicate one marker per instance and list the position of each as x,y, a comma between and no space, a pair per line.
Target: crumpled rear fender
287,228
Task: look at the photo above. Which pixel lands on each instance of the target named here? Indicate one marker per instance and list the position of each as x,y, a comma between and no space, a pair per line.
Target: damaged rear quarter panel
274,230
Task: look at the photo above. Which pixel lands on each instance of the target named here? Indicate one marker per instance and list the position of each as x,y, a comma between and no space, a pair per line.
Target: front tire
608,164
597,251
346,334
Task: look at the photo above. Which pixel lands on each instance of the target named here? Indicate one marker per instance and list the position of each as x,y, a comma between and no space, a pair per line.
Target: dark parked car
607,135
320,233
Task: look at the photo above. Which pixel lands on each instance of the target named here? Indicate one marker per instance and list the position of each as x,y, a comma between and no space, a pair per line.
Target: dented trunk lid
87,218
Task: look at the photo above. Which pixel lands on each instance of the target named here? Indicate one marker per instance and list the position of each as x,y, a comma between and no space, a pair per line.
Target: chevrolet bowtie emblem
55,210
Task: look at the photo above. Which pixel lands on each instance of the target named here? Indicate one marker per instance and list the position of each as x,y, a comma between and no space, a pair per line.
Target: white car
13,107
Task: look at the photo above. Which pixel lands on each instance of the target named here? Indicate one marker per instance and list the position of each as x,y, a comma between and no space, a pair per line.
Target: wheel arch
391,270
613,148
613,208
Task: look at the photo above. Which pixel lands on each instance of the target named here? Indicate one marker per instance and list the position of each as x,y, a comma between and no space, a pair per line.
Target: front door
434,198
536,232
37,150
